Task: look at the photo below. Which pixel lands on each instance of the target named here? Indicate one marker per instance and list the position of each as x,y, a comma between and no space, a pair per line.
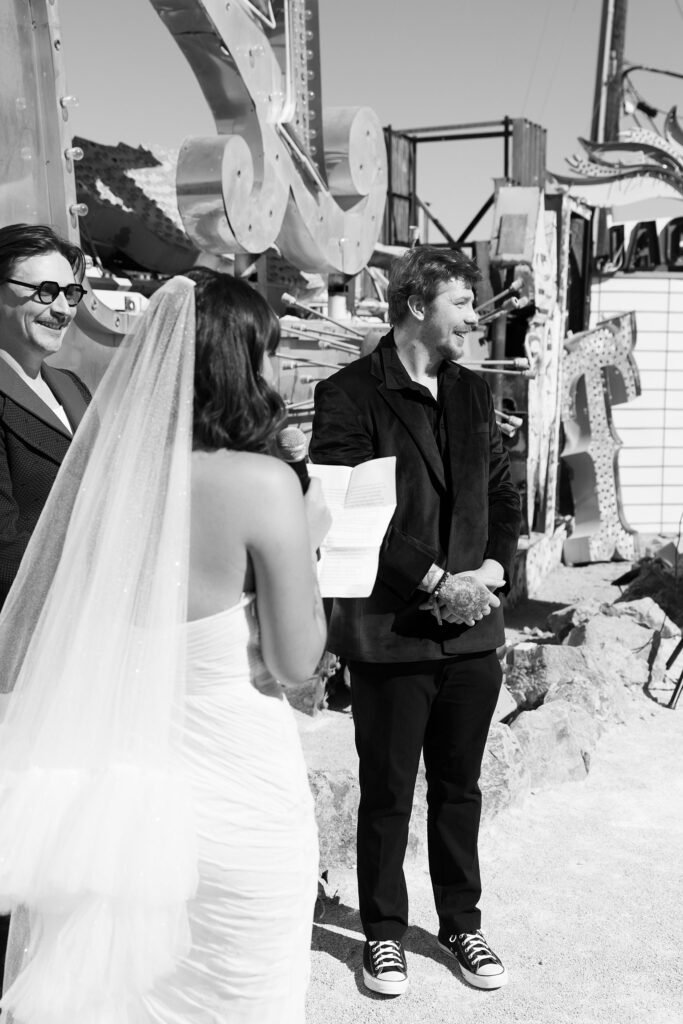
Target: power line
541,39
556,66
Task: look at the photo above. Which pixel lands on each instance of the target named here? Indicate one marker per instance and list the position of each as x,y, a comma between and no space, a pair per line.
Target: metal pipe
516,286
475,220
465,137
305,361
291,301
447,127
506,417
301,406
518,363
437,223
531,374
291,329
339,346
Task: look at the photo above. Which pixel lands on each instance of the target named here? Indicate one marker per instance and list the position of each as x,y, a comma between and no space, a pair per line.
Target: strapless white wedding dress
252,917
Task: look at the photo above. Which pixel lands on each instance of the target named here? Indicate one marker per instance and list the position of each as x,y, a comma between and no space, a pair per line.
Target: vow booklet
361,501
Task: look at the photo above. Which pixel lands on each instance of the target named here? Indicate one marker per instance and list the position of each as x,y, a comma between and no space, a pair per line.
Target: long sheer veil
97,838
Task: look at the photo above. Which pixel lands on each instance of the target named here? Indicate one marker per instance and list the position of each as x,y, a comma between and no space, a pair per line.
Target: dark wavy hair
21,241
420,271
234,407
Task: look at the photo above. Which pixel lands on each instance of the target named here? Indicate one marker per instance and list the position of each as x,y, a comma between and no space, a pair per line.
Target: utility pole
607,101
610,65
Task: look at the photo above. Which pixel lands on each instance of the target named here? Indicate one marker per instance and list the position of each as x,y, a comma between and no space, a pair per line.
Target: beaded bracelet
439,585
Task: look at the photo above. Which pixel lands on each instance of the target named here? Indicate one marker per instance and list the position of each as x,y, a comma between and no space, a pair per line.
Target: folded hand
465,597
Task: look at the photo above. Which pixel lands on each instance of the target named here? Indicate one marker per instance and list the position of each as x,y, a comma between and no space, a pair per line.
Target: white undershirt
37,385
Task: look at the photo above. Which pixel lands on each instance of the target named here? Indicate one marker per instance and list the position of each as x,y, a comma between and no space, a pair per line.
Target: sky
415,62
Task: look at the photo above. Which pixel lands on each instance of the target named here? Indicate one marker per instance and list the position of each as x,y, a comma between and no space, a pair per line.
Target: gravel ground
582,891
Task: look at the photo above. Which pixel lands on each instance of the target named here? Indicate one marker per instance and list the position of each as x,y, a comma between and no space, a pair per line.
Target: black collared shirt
434,408
436,411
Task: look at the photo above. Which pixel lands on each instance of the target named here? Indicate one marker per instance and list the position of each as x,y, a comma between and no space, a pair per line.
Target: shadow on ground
530,613
348,949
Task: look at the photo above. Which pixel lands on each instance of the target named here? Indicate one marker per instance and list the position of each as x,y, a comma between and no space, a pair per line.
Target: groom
421,648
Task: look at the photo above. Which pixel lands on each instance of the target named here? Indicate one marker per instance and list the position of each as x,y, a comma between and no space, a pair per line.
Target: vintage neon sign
282,170
599,371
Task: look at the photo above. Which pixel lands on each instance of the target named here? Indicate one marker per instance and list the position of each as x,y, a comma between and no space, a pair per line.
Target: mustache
54,318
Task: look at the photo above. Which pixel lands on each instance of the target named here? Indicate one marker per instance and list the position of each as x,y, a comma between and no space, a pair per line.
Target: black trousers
444,709
4,932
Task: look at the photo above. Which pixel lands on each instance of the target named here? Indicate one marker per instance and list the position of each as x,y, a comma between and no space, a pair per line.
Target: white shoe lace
476,949
386,955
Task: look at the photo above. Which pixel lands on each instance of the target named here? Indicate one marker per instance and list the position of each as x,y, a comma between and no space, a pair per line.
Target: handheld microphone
292,447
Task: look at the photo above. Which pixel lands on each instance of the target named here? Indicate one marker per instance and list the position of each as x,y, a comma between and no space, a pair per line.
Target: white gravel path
583,899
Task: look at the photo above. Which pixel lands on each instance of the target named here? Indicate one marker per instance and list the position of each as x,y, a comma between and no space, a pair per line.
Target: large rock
645,612
534,669
579,691
525,673
621,645
564,619
504,774
557,742
336,794
605,699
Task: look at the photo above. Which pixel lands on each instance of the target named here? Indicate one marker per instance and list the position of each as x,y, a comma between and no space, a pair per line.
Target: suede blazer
33,443
361,413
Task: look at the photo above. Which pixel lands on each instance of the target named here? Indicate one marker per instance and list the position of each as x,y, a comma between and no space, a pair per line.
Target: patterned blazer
33,443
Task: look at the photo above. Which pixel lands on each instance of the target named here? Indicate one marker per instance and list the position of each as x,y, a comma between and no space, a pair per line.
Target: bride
158,848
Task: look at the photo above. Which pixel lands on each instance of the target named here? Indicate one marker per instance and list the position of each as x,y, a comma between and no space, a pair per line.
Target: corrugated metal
528,153
400,211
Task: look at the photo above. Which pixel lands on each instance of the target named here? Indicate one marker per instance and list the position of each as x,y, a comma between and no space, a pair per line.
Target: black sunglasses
47,291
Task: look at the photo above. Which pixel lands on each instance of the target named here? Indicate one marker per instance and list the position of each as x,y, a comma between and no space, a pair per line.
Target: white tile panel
650,428
628,285
674,356
674,385
642,302
633,458
651,341
676,322
658,380
676,298
636,437
647,359
655,321
630,417
641,504
632,477
674,493
673,457
608,312
673,422
648,400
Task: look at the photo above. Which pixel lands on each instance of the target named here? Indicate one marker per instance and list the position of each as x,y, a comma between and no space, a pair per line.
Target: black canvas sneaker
384,967
477,961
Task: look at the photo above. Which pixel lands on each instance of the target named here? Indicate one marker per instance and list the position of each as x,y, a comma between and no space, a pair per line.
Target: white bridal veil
97,840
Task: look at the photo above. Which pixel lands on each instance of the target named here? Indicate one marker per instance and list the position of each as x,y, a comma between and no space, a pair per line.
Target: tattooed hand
462,598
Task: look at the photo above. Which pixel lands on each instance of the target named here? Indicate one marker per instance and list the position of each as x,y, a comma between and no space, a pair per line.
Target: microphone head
291,444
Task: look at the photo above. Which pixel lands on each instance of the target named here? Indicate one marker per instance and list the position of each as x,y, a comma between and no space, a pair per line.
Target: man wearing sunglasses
40,406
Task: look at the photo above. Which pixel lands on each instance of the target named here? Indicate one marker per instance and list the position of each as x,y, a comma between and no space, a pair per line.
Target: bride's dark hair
234,407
